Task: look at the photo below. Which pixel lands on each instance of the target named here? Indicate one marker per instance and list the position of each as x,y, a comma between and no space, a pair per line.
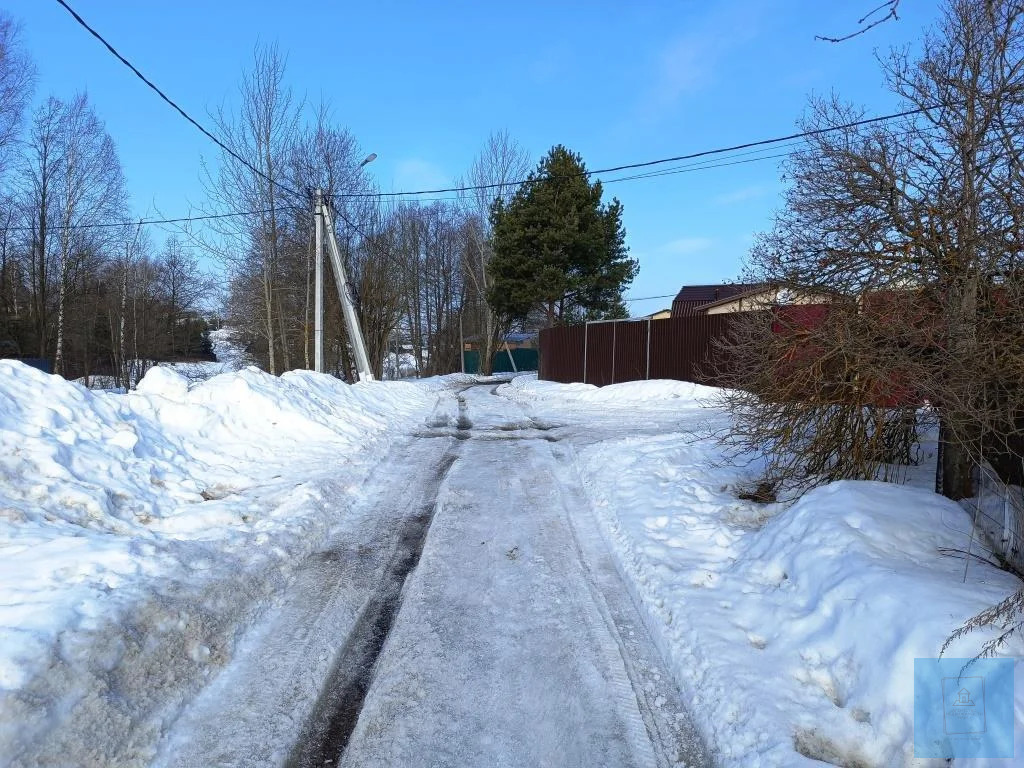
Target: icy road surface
515,644
472,617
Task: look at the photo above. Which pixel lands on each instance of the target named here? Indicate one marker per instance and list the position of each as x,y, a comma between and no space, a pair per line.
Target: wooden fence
609,352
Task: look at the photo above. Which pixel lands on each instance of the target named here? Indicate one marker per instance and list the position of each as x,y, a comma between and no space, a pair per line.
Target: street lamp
318,313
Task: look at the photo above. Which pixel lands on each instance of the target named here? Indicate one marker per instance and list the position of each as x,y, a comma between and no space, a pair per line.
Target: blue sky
422,84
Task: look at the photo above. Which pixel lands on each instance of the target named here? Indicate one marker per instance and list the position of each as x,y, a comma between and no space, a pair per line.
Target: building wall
765,300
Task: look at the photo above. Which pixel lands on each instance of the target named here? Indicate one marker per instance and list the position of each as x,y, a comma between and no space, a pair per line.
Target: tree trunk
268,308
58,362
286,362
39,295
489,342
955,476
122,365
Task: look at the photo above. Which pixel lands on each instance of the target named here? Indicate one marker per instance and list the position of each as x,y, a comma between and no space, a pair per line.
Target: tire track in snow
327,732
660,709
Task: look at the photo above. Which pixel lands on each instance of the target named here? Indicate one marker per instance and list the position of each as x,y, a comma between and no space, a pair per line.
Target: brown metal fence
630,350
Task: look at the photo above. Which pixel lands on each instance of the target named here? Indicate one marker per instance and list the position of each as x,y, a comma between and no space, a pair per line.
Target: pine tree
557,248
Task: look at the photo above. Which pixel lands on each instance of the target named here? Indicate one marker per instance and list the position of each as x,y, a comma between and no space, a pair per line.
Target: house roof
751,291
652,314
704,294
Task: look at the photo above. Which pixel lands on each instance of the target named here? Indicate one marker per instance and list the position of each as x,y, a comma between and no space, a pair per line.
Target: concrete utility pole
318,317
321,216
355,333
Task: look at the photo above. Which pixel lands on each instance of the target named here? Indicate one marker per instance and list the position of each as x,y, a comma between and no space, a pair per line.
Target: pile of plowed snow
140,533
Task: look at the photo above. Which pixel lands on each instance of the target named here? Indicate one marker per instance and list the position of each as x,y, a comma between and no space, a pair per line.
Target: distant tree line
89,297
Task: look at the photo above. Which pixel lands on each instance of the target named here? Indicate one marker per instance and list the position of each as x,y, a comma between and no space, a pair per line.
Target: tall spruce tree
558,250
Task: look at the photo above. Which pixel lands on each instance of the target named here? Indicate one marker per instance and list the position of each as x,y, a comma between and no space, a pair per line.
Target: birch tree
89,190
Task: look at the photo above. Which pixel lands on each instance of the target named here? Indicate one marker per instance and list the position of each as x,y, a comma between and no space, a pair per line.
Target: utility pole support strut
355,333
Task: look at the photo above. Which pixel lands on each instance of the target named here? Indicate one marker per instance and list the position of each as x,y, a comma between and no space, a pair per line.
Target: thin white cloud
741,195
689,62
685,246
415,173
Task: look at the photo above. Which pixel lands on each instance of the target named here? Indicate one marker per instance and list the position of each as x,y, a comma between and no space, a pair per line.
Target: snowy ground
792,630
142,534
264,571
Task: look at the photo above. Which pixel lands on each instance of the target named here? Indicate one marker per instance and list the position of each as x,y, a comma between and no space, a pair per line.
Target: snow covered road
465,613
509,645
409,574
251,714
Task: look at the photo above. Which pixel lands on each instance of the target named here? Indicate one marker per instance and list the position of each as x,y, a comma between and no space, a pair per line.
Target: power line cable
698,166
207,217
687,168
646,298
649,163
690,169
143,222
705,165
178,109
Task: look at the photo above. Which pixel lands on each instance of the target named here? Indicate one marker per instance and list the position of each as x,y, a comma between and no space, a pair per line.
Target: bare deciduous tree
495,173
889,9
17,76
909,235
262,131
89,189
41,165
183,285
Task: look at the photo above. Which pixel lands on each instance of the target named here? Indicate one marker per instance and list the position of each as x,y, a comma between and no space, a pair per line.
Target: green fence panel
526,360
471,361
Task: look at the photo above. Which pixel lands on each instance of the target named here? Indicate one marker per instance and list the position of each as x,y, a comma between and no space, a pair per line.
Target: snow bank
141,533
527,388
792,630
